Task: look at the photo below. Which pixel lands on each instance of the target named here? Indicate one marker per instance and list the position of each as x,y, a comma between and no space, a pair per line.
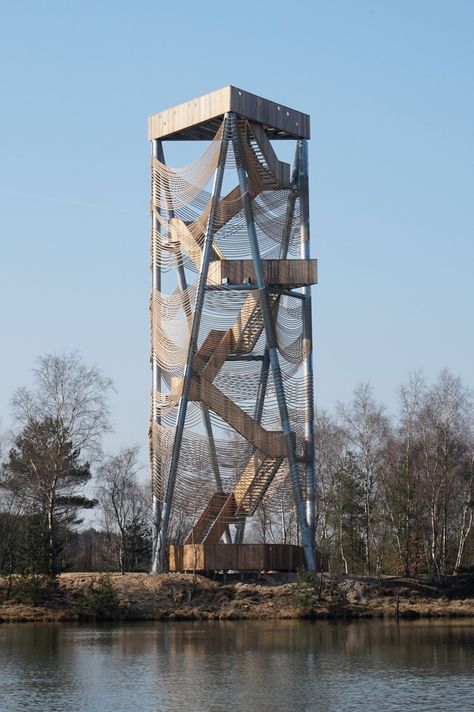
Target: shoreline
181,597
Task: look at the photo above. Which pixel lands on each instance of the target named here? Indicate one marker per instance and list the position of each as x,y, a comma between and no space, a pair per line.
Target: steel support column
303,180
156,384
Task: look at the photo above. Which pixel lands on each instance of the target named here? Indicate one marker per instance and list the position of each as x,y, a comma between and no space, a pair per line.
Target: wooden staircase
254,482
214,520
223,508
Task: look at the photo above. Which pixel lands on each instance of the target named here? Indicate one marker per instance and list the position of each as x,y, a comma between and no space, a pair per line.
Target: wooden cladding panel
286,273
270,114
231,338
191,113
188,121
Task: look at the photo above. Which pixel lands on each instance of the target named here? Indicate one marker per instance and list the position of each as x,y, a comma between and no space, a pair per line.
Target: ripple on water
266,666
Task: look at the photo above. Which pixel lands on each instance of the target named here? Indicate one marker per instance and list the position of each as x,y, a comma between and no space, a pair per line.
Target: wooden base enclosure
235,557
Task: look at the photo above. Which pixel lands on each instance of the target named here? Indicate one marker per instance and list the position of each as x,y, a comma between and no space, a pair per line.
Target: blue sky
389,86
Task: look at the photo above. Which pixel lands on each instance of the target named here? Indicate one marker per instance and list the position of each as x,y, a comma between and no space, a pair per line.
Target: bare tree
401,480
330,448
72,395
124,503
367,428
444,425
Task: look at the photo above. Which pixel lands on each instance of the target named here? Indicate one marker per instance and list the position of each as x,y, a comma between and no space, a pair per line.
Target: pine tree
45,471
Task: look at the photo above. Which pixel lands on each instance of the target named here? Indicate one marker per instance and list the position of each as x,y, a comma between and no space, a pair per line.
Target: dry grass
177,597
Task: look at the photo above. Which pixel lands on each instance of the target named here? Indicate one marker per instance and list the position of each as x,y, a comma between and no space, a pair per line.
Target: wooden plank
229,206
189,121
254,482
182,235
209,346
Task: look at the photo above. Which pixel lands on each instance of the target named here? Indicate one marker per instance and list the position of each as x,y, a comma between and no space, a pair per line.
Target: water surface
266,666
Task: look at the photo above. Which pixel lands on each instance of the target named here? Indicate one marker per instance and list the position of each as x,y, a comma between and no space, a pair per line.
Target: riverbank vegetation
135,596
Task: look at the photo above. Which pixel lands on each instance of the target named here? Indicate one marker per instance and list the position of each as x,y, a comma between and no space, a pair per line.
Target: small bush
34,588
306,589
102,601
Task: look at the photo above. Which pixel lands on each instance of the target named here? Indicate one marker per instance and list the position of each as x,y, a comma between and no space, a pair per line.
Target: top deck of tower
199,119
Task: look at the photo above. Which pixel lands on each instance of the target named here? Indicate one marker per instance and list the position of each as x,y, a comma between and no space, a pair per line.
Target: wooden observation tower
232,395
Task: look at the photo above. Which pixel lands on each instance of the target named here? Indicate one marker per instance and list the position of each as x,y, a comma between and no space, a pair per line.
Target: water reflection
265,666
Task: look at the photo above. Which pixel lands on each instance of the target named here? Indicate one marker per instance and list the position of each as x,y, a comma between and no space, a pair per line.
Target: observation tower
232,415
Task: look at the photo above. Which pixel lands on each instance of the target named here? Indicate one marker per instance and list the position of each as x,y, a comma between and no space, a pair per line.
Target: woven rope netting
228,382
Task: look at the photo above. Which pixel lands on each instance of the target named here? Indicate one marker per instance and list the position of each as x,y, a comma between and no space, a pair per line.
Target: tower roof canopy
199,119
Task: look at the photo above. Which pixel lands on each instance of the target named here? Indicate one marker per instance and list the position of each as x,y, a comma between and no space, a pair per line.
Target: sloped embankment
135,596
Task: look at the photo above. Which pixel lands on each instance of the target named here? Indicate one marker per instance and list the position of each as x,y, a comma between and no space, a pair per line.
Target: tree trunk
50,525
341,546
367,530
466,522
122,553
406,556
434,538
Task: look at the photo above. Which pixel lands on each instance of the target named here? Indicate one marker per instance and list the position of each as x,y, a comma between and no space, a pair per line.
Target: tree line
395,493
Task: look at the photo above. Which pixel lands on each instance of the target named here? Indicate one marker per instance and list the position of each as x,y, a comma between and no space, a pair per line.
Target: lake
266,666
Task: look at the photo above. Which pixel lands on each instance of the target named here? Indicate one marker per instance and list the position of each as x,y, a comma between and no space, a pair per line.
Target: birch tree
125,505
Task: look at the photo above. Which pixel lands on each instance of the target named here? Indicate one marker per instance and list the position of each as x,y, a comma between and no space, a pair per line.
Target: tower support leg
155,455
310,478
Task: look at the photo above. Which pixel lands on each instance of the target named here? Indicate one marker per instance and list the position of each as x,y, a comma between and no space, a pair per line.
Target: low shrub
307,589
34,588
101,602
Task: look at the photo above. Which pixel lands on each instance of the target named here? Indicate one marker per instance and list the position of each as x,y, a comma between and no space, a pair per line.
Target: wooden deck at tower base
235,557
